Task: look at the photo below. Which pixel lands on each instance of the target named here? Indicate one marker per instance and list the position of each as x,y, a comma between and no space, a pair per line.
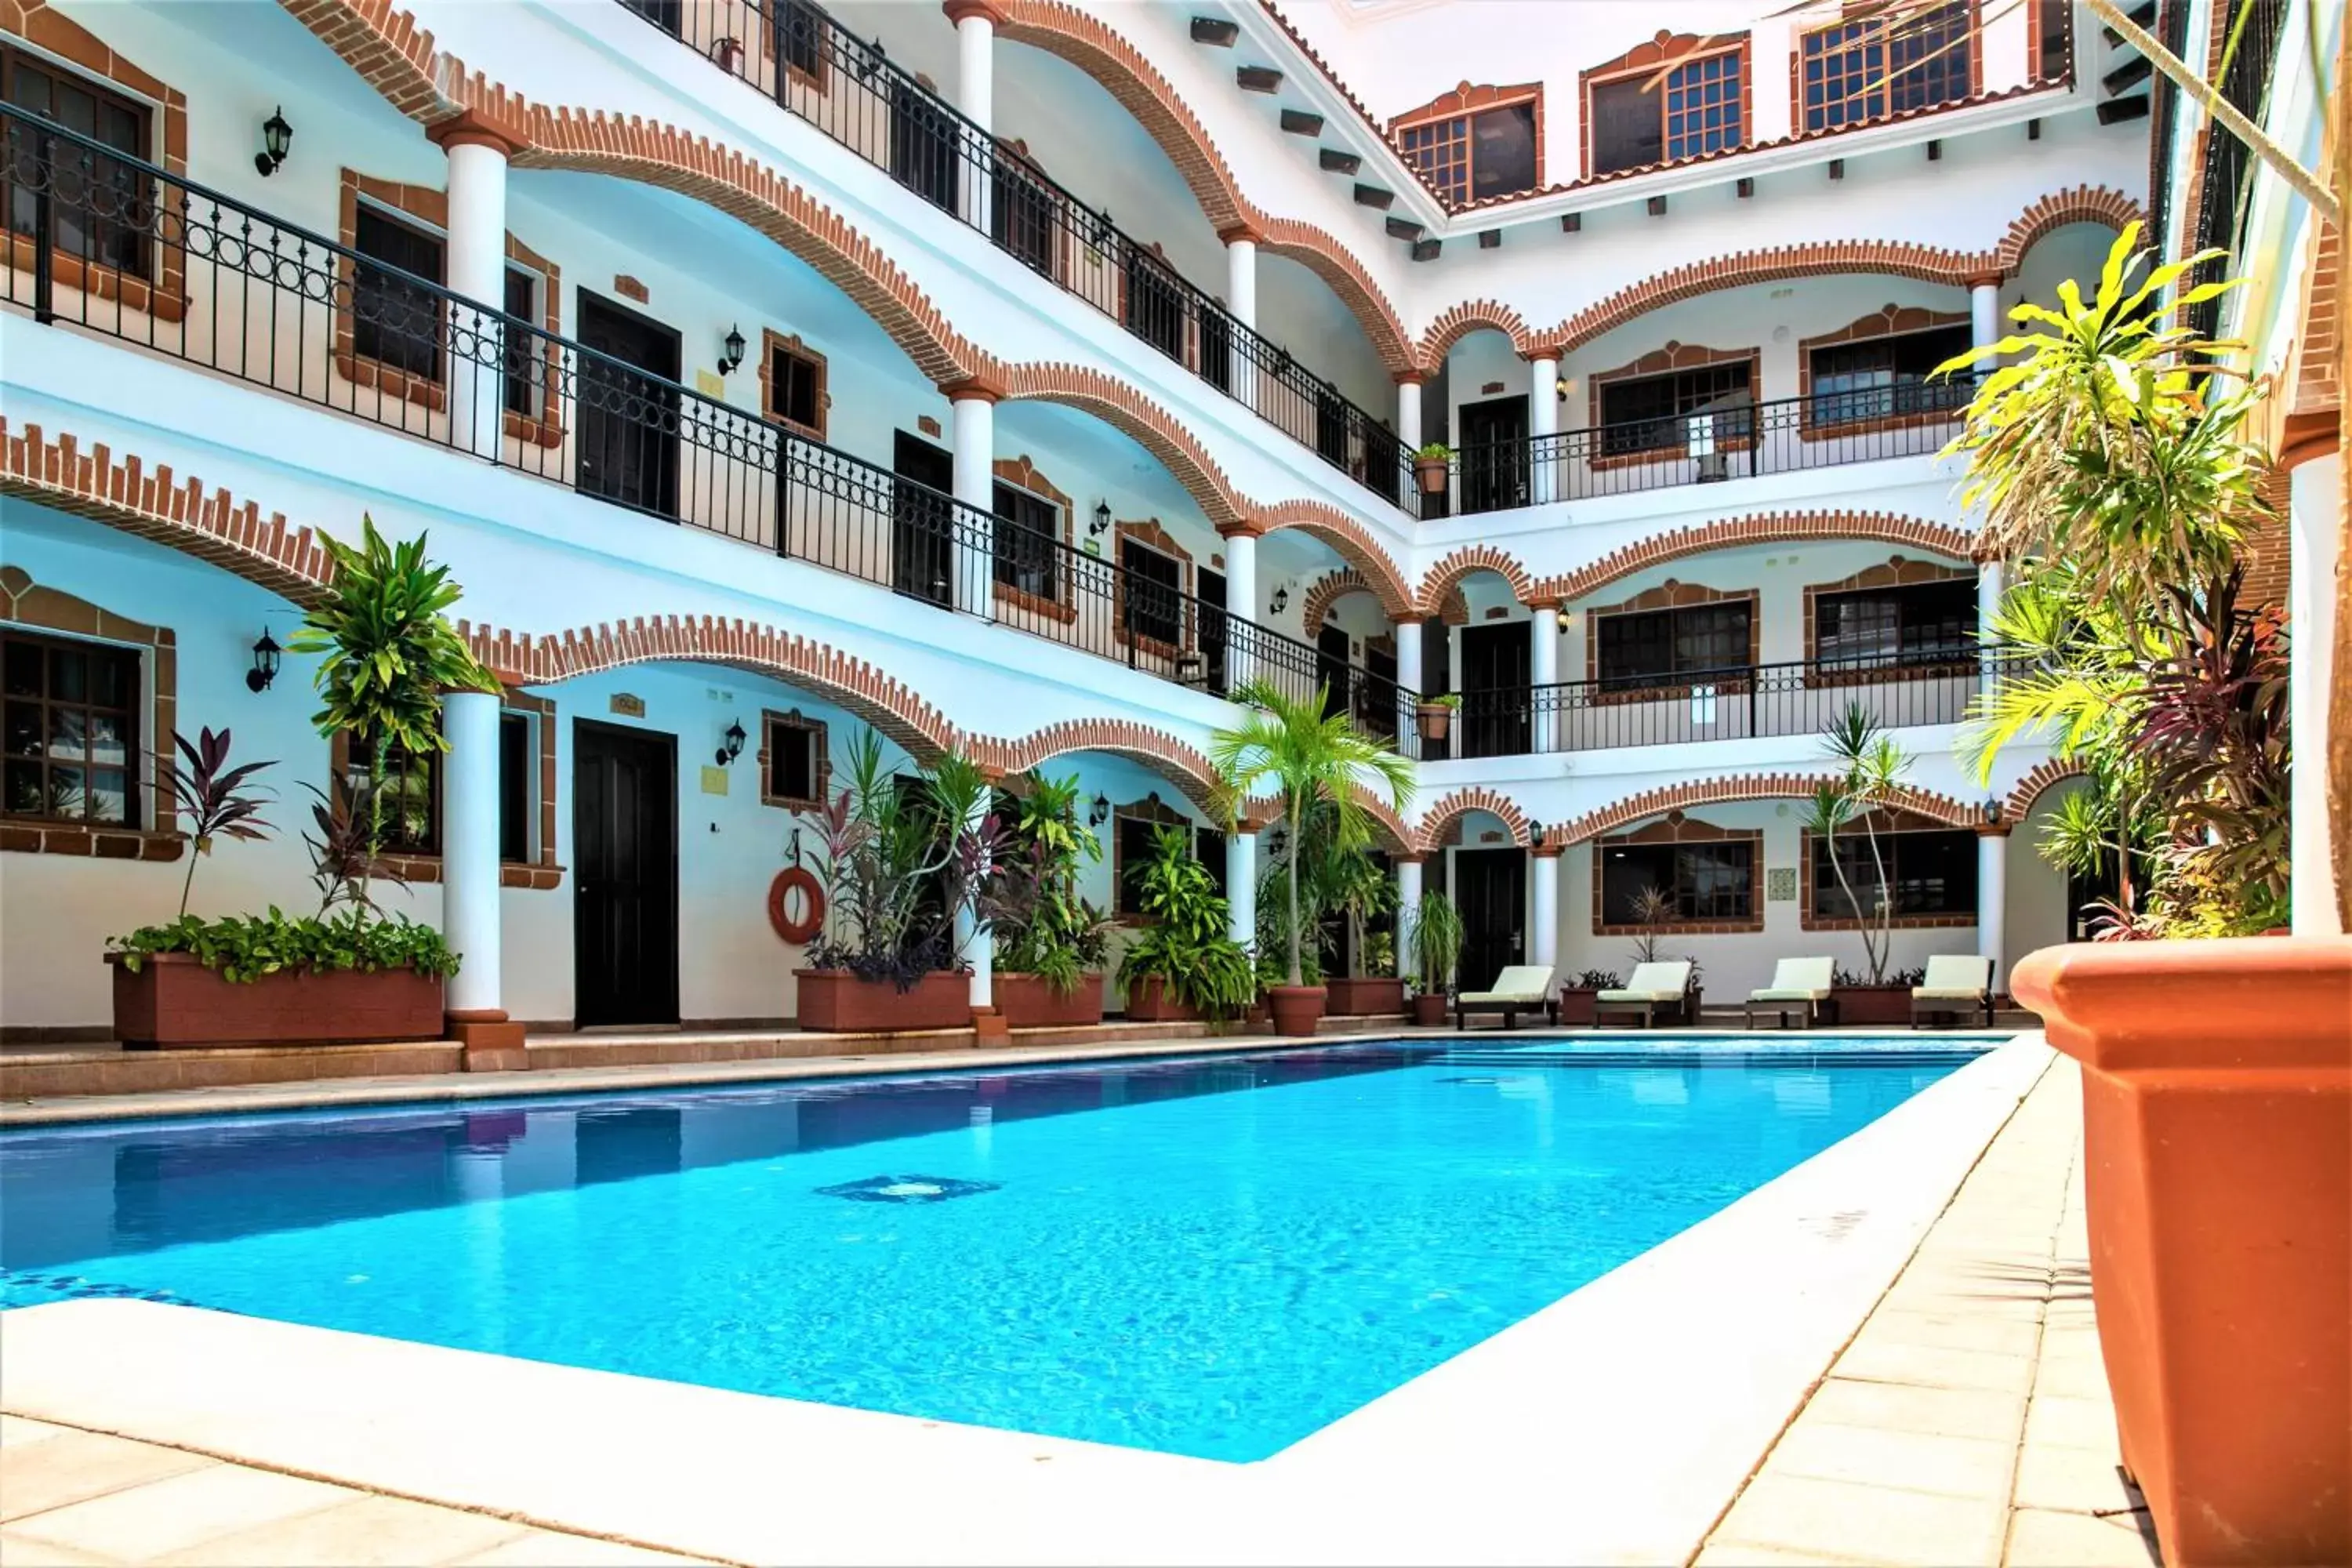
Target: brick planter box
1365,997
1026,1002
838,1002
174,1002
1576,1004
1148,1001
1873,1003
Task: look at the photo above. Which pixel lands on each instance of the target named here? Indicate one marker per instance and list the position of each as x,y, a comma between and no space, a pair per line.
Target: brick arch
1766,528
1656,802
1353,542
1442,584
1184,766
1152,428
1441,817
2050,772
2084,204
884,701
1328,592
1388,828
1474,316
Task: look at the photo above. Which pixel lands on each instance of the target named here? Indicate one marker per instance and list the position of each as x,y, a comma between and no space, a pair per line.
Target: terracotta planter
1148,1001
1429,1009
1873,1003
1576,1004
2217,1125
1026,1002
838,1002
1435,718
175,1003
1432,473
1364,998
1296,1008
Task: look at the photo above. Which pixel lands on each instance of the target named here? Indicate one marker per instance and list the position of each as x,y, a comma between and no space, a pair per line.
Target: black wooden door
922,522
1495,454
1331,668
629,421
1491,891
1209,587
625,870
1494,689
923,145
1436,681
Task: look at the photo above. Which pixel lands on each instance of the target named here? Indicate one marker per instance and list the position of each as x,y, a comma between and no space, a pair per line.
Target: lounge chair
1798,985
1957,984
1665,985
1521,988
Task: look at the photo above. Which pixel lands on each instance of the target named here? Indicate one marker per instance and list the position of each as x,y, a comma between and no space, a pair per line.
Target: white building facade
1015,379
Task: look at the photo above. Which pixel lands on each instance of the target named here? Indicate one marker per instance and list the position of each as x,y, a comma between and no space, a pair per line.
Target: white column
973,550
1543,673
2314,511
1984,311
1408,413
1408,876
975,943
477,269
1543,420
1408,677
470,851
1991,582
975,25
1240,886
1241,600
1241,302
1992,901
1543,945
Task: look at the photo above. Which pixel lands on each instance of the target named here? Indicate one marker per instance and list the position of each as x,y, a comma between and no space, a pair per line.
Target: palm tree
1306,756
1871,768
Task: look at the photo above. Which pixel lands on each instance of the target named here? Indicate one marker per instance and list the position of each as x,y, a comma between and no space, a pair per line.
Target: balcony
119,247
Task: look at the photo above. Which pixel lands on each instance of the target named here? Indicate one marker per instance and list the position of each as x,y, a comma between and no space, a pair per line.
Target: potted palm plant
1309,757
1051,944
1186,964
1431,464
1437,937
1579,997
1871,768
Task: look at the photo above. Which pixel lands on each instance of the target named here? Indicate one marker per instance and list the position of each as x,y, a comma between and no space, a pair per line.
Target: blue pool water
1211,1258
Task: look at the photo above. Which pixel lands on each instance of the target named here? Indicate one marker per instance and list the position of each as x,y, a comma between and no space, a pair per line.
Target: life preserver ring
795,886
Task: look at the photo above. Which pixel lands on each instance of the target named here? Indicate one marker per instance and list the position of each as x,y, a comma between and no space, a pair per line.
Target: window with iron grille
1441,150
1877,378
1662,647
1876,65
1028,536
99,210
1641,413
1707,880
393,322
1151,589
1474,157
69,740
800,36
1915,623
1703,105
1927,873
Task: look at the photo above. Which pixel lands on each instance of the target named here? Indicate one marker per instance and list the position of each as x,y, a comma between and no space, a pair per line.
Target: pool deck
1886,1355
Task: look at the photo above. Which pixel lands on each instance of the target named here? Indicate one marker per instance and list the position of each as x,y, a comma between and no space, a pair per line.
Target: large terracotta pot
173,1002
2217,1123
1434,719
838,1002
1296,1008
1148,1001
1429,1009
1026,1002
1365,997
1433,474
1873,1003
1576,1002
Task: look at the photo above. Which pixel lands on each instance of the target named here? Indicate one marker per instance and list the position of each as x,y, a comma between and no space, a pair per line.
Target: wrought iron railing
1915,687
118,246
796,53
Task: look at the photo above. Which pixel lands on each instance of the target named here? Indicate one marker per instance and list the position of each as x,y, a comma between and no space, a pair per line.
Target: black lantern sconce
730,352
265,664
1563,618
1101,524
277,137
1993,813
1098,811
1281,601
1535,832
731,744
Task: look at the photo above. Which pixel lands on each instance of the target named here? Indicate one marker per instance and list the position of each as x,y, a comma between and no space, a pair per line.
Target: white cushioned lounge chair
1798,985
1663,985
1521,988
1956,983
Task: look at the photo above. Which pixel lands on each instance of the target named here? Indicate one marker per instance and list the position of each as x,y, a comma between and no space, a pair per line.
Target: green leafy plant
1039,924
344,864
1437,937
207,795
1654,909
244,948
896,864
1185,943
1598,980
1870,774
1434,452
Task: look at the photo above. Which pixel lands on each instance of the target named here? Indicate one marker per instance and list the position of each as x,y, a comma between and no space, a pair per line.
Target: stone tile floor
70,1497
1968,1422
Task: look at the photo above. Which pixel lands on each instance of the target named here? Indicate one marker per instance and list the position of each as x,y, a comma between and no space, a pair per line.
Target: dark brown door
1436,679
1491,891
1331,673
628,420
625,870
1494,689
1495,454
922,521
1209,587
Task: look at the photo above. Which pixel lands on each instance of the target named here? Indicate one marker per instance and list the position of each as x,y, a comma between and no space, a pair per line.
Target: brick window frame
1150,534
1666,53
48,35
1023,475
1679,828
155,835
424,205
1888,820
773,343
820,758
1150,808
541,872
1669,595
1850,14
1894,571
1464,104
1889,321
1662,362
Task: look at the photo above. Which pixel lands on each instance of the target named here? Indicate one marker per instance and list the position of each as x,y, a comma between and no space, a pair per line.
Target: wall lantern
1991,812
1099,811
731,744
1102,519
277,136
1535,832
265,663
1281,601
730,352
1563,618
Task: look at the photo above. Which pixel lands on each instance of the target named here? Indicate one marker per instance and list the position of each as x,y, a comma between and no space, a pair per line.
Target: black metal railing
795,52
1827,429
116,246
1918,687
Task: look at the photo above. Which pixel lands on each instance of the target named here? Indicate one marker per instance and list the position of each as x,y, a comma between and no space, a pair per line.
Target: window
795,771
411,793
1134,828
1638,121
525,371
1028,537
800,36
792,385
516,753
1023,212
1853,71
393,322
1660,647
70,742
99,206
1930,873
1151,593
1651,413
1917,623
2052,19
1709,880
1476,157
1880,378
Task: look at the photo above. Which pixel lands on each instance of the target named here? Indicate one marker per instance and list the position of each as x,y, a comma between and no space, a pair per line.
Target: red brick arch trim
1768,528
1475,316
2029,788
1184,766
1328,592
1388,828
1155,429
1441,582
2084,204
1440,818
1352,541
155,504
1652,802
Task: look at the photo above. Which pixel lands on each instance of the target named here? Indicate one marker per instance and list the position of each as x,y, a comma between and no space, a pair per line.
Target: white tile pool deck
1710,1401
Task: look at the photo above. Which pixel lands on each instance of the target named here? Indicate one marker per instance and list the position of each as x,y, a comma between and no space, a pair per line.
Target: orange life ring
794,880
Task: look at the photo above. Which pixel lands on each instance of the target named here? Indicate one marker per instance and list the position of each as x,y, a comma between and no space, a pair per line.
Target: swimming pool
1210,1256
